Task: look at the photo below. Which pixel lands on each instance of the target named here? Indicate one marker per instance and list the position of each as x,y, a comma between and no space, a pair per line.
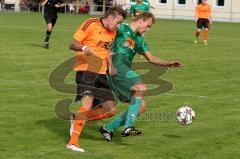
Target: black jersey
49,7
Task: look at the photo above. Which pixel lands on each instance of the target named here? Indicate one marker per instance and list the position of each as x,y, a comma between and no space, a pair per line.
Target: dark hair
115,11
145,16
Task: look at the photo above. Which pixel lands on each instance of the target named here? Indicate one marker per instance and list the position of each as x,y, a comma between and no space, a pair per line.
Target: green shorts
124,80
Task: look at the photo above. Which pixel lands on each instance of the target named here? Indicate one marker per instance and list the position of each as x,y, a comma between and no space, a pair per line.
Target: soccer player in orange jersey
92,43
204,19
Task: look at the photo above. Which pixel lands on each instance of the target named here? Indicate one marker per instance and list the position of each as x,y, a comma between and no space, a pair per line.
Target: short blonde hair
145,16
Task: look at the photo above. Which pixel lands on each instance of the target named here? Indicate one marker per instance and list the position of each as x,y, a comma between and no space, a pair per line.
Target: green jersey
137,9
146,2
128,43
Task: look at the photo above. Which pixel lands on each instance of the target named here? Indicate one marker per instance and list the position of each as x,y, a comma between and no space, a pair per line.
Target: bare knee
110,107
140,89
49,27
87,102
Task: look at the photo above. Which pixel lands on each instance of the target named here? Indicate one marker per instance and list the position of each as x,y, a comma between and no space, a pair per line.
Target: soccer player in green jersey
148,3
138,8
126,83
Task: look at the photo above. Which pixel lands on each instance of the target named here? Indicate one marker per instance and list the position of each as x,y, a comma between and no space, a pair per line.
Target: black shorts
93,84
50,18
202,23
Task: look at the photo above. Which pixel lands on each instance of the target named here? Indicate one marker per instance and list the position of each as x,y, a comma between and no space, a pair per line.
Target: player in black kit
50,16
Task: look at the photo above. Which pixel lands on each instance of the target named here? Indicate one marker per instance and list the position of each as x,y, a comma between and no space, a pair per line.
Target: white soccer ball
185,115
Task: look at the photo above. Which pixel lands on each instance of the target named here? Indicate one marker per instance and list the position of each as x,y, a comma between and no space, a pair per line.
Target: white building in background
10,5
223,10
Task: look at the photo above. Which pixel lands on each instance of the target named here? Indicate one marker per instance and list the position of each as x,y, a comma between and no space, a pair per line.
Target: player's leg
48,34
104,102
85,93
122,85
205,36
51,21
48,21
133,109
108,130
206,28
127,118
105,110
98,111
143,107
198,31
78,125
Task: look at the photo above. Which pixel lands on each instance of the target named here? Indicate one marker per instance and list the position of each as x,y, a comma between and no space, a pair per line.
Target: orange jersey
203,11
93,34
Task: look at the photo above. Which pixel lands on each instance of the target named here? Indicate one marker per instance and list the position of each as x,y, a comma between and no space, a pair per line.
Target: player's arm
43,2
59,5
152,7
132,12
132,15
111,68
148,3
81,34
156,61
196,13
148,8
76,46
210,15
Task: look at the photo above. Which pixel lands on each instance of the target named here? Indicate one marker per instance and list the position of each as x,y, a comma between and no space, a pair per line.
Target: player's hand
210,22
87,51
112,70
57,5
174,64
111,54
152,7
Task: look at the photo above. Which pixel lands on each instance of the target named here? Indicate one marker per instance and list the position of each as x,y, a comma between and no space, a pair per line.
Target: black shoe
130,131
46,45
106,134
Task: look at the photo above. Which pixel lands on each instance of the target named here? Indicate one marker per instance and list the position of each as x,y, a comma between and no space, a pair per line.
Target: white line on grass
32,28
45,82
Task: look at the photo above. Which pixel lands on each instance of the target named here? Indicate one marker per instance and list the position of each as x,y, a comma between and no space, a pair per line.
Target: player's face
114,22
144,26
139,1
204,1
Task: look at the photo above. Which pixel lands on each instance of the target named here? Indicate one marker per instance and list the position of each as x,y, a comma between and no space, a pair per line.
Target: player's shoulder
199,5
135,5
90,22
209,5
140,37
145,4
124,26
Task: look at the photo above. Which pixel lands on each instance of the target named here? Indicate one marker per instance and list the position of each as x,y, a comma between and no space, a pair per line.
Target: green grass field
208,81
